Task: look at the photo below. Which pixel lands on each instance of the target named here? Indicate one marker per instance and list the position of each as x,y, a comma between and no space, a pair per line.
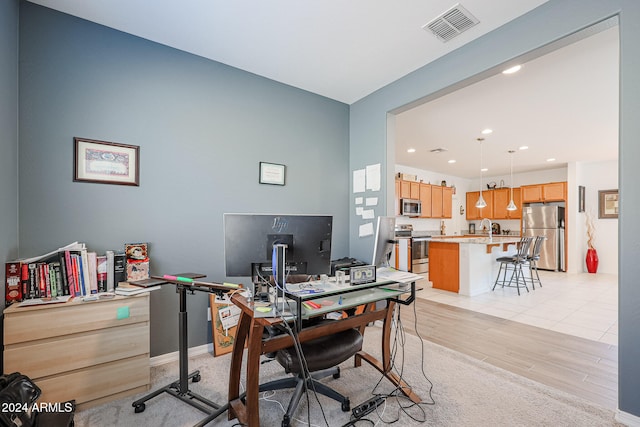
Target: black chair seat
322,353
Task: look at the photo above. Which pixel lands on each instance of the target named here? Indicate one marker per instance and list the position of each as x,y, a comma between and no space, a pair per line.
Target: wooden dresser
92,352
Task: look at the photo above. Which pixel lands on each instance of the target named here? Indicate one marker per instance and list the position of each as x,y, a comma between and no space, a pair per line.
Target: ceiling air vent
438,150
451,23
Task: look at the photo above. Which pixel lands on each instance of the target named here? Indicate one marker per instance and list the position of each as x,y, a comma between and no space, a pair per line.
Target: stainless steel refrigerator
546,221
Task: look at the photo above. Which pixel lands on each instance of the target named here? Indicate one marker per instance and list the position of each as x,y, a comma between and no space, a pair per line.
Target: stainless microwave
410,207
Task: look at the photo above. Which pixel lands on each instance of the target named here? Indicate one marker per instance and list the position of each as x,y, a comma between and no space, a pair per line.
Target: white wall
596,176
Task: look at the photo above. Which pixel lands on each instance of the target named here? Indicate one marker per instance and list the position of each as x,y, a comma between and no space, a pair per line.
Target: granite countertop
481,240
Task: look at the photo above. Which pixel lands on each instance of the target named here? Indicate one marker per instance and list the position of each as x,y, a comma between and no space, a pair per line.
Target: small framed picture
608,204
580,198
105,162
272,173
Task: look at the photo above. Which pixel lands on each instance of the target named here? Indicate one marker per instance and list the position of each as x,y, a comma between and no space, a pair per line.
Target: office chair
515,264
322,356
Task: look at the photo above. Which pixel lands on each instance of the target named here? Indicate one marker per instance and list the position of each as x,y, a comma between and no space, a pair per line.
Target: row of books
72,270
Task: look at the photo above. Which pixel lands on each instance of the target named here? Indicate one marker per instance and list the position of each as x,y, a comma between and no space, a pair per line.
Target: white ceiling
563,105
340,49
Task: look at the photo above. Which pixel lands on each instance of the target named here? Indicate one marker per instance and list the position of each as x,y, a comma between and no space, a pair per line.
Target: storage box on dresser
92,352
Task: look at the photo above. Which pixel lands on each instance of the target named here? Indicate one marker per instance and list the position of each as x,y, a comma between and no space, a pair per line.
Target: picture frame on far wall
608,204
581,191
105,162
272,173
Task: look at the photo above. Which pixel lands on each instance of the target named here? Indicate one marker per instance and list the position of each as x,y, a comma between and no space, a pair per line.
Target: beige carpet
467,392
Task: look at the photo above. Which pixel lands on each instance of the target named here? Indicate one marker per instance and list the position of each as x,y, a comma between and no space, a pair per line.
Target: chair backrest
537,247
523,247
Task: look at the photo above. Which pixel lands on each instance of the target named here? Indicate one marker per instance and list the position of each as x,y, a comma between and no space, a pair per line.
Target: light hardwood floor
575,365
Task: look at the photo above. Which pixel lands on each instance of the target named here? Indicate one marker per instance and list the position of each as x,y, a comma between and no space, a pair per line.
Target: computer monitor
385,239
249,240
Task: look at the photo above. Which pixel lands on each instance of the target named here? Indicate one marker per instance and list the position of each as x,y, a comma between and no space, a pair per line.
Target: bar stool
532,260
514,263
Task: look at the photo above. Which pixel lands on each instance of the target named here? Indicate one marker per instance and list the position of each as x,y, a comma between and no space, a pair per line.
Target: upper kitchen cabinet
550,192
409,190
425,198
447,202
501,198
476,213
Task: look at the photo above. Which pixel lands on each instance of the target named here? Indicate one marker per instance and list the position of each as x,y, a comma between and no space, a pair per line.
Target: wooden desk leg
384,367
242,332
253,374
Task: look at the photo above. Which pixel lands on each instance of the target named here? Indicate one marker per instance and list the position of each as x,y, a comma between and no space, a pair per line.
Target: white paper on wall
371,201
373,177
366,229
368,214
359,200
359,179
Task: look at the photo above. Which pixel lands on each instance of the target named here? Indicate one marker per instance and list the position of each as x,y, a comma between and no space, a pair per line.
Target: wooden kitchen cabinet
475,213
436,201
444,265
501,199
447,202
550,192
425,198
409,190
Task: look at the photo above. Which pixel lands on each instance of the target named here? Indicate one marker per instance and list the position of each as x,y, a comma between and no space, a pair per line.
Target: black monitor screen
384,241
249,241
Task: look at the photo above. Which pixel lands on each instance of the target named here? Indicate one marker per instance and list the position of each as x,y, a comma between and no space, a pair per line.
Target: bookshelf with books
92,352
73,271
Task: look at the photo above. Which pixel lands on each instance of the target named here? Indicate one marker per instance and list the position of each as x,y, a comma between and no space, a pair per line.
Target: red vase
592,260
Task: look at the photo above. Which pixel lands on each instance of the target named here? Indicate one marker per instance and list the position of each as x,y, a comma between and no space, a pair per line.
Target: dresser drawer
33,323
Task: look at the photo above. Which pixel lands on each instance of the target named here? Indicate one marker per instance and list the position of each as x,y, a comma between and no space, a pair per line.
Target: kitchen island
467,264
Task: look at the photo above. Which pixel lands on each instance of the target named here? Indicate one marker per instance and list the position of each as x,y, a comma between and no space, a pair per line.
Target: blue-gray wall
8,132
552,21
8,138
202,128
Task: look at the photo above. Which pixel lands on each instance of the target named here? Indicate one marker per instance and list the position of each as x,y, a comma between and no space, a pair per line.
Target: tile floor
583,305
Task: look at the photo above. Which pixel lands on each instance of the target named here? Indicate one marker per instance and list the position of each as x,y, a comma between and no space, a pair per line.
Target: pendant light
511,206
481,203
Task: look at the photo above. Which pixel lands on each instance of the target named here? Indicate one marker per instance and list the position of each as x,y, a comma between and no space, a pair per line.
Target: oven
420,254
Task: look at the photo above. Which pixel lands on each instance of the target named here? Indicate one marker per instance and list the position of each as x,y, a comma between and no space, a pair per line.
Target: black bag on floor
17,395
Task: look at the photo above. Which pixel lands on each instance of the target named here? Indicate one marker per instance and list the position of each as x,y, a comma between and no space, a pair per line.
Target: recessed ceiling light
524,147
484,170
551,160
512,70
452,161
411,150
487,131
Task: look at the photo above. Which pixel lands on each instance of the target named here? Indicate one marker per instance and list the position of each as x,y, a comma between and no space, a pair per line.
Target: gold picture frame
608,204
105,162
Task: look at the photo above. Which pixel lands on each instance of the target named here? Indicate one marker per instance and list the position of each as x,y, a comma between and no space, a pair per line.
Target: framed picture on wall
271,173
105,162
580,198
608,204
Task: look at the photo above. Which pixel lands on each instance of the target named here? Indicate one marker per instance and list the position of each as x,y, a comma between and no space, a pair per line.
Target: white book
136,291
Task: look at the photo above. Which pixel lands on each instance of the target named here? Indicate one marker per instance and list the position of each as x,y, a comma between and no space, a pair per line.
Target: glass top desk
250,332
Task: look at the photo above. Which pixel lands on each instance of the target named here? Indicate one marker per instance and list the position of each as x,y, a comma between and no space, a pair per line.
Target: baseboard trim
174,356
627,419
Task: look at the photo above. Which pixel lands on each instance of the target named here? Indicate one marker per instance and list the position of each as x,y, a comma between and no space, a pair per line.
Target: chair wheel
337,374
346,405
196,378
139,408
285,421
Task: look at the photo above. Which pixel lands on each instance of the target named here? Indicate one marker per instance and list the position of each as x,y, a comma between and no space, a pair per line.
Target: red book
13,288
